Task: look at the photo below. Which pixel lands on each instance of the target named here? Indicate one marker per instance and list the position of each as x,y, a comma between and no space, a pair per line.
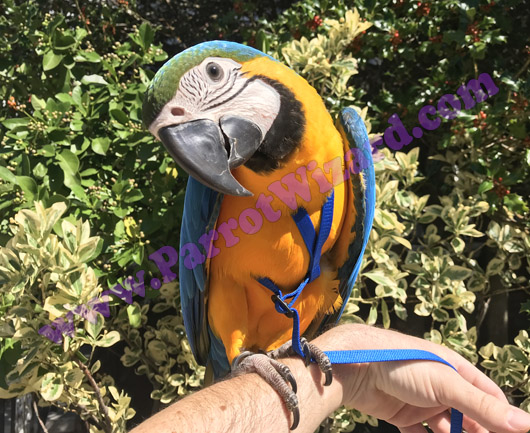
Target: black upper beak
208,151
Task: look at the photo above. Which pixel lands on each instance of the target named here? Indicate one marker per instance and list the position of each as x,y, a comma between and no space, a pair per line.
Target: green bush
86,195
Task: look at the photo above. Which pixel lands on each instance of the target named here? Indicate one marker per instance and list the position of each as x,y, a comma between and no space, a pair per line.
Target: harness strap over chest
284,304
314,244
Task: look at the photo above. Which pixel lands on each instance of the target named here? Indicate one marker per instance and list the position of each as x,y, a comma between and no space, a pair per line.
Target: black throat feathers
285,134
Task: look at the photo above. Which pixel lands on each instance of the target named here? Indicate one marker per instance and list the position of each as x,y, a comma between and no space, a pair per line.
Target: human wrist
347,378
316,401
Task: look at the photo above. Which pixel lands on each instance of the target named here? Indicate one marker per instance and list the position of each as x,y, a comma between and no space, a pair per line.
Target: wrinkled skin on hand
407,393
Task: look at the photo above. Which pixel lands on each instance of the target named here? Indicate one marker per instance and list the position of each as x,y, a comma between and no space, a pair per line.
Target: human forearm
248,404
402,393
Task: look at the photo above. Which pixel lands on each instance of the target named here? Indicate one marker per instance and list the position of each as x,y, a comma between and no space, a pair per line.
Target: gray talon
276,374
329,377
307,352
296,418
239,359
292,381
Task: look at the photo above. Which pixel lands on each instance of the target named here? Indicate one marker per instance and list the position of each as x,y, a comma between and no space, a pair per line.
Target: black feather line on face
209,107
285,134
233,75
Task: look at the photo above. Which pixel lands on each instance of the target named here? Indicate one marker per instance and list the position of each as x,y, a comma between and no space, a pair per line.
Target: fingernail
519,419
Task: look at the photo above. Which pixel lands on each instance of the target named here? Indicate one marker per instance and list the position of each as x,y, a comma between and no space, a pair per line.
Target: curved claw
329,377
296,418
307,353
237,360
290,378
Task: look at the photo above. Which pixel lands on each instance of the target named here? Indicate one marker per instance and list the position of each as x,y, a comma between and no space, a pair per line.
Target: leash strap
284,304
386,355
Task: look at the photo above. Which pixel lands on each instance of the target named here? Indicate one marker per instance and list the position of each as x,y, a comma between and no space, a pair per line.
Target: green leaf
515,203
88,172
146,35
51,387
100,145
262,41
7,175
135,315
380,278
450,301
94,79
457,273
68,162
37,103
93,329
74,377
109,339
372,316
400,311
63,41
120,212
95,367
513,246
88,56
458,245
384,314
29,186
15,122
440,315
40,170
487,351
525,307
485,186
51,60
495,266
119,115
402,241
132,196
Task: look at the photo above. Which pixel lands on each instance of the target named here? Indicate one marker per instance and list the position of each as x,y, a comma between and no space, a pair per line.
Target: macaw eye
214,71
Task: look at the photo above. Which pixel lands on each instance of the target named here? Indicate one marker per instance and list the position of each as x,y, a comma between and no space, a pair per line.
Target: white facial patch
204,95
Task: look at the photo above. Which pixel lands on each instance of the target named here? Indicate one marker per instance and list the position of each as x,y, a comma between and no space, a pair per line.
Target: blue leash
284,304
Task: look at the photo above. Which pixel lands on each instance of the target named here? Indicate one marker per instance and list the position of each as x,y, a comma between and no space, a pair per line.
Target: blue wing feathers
201,209
364,198
364,201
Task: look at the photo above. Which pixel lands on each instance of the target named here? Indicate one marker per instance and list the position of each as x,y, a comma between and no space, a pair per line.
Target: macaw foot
275,374
278,375
310,352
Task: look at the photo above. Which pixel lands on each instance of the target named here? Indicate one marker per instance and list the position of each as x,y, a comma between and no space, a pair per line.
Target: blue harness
285,304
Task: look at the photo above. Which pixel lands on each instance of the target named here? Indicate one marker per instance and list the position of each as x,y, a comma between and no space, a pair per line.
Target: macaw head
215,107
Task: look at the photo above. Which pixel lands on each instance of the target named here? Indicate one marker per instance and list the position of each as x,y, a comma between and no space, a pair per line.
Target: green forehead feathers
166,81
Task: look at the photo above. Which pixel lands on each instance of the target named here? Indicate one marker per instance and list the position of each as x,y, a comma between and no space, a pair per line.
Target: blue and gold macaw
261,149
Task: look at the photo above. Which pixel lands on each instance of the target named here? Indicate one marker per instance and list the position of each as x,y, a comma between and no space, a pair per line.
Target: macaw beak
208,151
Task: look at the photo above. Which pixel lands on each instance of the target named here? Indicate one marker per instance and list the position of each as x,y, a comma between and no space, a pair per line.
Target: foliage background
86,194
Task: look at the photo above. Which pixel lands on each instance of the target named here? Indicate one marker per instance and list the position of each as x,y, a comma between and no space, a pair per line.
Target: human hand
407,393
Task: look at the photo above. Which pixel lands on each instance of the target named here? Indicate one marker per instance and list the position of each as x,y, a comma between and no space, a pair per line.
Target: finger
416,428
489,411
476,378
471,426
467,370
440,423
